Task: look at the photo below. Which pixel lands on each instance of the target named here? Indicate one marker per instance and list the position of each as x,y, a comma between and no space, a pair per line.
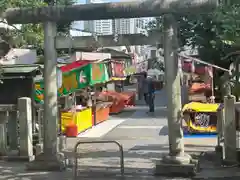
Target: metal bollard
98,142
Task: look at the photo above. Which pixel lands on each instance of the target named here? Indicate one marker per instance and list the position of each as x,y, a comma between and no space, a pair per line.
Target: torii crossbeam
139,8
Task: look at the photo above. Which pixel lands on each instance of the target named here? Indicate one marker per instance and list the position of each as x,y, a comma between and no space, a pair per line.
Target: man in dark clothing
151,94
145,87
148,91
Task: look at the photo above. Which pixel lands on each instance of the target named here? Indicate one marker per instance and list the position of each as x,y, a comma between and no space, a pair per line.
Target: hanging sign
99,73
203,122
71,81
75,80
117,69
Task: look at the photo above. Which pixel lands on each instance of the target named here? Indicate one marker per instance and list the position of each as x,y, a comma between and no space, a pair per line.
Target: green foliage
32,34
214,34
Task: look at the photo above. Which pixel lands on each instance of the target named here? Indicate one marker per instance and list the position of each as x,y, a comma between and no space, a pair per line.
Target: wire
203,62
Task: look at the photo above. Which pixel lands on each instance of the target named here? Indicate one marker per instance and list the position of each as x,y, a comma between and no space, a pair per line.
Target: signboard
76,79
117,69
99,73
203,122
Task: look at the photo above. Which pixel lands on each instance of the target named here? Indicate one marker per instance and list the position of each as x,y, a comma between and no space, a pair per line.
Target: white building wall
103,27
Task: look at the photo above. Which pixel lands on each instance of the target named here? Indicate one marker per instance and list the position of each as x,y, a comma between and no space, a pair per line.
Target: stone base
38,149
45,162
229,163
176,166
219,154
16,157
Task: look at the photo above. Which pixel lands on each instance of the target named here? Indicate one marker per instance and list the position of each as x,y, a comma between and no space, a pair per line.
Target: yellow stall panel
83,119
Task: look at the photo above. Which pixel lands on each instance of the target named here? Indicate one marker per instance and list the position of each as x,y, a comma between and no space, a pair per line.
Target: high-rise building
129,26
103,27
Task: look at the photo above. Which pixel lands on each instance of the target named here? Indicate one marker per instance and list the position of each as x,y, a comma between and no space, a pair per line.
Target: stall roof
75,64
20,68
90,56
114,53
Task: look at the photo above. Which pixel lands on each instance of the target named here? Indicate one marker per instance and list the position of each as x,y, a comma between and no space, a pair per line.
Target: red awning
74,65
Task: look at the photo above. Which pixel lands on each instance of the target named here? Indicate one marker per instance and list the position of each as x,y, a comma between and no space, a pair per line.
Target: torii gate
144,8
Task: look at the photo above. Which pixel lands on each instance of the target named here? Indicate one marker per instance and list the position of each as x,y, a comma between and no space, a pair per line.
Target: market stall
199,79
76,76
200,117
86,74
119,98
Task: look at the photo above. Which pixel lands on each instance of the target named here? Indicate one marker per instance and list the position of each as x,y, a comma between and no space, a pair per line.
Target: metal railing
75,168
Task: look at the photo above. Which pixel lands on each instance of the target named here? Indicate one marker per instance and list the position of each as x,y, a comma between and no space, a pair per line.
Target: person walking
149,92
144,86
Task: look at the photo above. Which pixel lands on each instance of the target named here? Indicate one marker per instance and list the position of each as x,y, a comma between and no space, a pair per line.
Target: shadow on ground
17,171
148,152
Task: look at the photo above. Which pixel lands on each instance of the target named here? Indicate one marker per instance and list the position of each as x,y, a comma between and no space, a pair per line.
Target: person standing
144,86
151,94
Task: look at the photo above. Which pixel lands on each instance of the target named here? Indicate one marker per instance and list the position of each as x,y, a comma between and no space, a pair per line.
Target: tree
32,34
215,34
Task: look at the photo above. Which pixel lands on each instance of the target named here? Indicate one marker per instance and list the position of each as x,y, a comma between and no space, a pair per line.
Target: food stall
117,68
120,99
76,76
200,113
79,75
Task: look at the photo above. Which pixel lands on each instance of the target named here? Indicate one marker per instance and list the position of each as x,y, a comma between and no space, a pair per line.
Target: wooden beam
77,42
140,8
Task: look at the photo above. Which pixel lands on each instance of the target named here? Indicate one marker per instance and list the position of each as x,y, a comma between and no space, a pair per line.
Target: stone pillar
3,133
230,145
176,161
50,159
25,127
12,130
173,86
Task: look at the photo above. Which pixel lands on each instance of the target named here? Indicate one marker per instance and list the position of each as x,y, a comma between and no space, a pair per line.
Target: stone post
50,159
3,133
230,145
12,130
177,161
25,128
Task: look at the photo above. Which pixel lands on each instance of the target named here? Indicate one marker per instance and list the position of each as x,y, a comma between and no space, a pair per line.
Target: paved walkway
144,139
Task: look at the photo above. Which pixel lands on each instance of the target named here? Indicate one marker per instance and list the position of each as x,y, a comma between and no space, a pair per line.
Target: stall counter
82,119
102,112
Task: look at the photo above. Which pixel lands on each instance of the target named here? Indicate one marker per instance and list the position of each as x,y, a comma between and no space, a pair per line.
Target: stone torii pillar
141,8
